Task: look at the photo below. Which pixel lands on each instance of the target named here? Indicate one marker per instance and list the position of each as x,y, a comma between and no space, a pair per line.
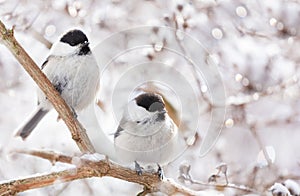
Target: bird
146,135
73,71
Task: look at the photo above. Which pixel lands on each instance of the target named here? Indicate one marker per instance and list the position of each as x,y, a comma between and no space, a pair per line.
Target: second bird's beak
85,44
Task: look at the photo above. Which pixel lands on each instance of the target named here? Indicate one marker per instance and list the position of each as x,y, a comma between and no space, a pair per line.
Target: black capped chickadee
146,134
73,70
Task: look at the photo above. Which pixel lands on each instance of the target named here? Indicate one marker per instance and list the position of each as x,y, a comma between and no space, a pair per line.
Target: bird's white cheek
62,49
135,113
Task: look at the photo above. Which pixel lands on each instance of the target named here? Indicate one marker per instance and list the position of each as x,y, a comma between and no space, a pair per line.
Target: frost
184,169
93,157
261,159
279,190
222,167
76,161
292,186
58,166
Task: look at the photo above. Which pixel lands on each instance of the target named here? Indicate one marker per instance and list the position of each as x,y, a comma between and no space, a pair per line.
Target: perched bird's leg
138,168
74,112
160,172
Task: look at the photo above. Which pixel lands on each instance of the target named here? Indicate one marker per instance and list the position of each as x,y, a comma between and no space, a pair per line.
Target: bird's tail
25,130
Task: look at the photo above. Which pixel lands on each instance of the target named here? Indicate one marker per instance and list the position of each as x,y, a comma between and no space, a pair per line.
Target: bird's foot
74,112
138,168
160,172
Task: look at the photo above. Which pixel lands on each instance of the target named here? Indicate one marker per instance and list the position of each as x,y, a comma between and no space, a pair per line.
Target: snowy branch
78,132
86,167
15,186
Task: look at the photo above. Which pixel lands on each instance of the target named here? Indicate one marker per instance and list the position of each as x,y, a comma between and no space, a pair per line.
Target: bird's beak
85,44
163,111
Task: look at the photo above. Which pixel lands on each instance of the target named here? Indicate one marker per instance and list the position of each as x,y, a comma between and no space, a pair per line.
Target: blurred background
254,44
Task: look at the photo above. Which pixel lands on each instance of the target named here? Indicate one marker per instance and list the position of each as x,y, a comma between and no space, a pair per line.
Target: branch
194,70
261,145
51,156
185,176
15,186
88,167
40,38
76,129
228,185
218,186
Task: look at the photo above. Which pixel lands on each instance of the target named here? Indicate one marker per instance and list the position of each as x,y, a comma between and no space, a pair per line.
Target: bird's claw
138,168
160,172
74,112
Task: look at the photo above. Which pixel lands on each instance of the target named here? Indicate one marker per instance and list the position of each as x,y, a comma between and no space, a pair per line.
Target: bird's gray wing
60,83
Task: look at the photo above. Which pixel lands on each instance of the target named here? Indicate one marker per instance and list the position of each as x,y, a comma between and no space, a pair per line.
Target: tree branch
15,186
76,129
88,167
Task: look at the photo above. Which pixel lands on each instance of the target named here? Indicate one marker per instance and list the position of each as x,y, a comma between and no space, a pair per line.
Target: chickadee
73,70
146,134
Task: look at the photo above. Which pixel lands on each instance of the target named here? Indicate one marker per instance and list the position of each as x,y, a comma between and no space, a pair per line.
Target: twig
186,177
15,186
230,185
194,70
76,129
270,91
86,168
261,145
40,38
254,33
51,156
223,186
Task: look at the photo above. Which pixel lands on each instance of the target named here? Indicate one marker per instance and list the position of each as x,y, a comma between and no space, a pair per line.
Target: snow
62,166
93,157
262,160
292,186
279,189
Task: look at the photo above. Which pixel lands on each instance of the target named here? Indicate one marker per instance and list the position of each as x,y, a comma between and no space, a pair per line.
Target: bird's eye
138,121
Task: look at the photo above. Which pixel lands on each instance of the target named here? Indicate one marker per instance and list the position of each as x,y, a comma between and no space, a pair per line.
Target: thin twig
270,91
232,186
38,36
51,156
76,129
261,145
223,186
15,186
254,33
194,70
